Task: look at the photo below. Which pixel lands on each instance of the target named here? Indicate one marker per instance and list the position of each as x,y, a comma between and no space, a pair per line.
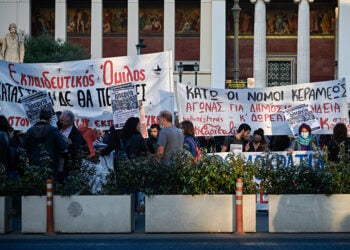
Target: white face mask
304,135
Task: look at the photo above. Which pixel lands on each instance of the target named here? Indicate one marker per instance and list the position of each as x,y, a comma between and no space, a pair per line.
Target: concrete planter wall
5,206
94,214
33,214
200,213
309,213
80,214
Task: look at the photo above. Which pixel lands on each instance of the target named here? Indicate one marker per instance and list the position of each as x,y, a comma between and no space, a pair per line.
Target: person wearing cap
44,137
258,144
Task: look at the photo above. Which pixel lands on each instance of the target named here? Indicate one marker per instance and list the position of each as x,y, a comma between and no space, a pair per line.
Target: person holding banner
304,141
171,139
240,139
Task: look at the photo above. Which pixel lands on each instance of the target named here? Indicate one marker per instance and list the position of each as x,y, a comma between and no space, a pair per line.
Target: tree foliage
45,49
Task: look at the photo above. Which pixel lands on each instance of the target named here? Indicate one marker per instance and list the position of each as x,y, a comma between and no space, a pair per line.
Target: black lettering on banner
266,96
142,86
64,99
201,93
84,100
232,95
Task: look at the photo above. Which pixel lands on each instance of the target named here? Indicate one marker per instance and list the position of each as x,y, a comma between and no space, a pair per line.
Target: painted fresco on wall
187,20
115,20
151,20
79,20
43,21
322,22
284,23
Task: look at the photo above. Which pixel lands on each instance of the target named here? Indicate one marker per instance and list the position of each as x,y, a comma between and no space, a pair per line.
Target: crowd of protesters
62,143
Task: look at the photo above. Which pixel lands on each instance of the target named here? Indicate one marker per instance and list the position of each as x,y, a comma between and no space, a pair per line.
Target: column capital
299,1
254,1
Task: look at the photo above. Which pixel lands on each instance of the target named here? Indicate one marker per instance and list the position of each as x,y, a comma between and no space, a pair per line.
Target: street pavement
140,240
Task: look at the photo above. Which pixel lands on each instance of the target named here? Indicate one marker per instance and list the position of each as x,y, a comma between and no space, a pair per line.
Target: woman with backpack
191,143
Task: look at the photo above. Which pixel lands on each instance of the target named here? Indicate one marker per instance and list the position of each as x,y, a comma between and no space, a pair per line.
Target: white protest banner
124,103
216,112
301,114
82,86
34,103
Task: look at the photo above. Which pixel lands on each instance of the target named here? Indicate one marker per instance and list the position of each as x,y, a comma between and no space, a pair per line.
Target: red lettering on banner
210,129
117,77
103,123
11,71
18,121
204,107
324,122
151,119
82,123
325,108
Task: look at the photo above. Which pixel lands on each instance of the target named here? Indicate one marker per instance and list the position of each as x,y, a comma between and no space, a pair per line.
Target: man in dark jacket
44,136
76,141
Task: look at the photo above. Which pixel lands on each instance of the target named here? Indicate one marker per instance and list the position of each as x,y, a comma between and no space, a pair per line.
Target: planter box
200,213
5,206
80,214
309,213
94,214
33,214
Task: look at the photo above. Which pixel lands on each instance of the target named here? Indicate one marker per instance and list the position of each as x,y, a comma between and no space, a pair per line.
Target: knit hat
259,131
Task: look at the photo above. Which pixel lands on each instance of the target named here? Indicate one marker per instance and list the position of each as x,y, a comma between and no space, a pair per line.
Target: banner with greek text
82,87
219,112
277,158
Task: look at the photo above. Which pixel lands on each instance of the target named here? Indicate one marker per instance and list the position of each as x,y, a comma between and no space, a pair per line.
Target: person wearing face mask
258,144
304,141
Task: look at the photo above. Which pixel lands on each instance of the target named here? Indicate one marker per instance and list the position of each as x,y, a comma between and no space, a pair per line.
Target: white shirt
67,131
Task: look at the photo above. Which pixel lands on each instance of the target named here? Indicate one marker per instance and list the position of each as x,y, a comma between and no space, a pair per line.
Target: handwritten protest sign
124,103
82,86
34,103
301,114
217,112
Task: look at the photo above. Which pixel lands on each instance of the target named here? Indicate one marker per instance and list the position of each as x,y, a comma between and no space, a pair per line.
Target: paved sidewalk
141,240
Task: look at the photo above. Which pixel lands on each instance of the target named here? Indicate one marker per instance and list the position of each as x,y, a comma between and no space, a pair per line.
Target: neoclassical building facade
280,42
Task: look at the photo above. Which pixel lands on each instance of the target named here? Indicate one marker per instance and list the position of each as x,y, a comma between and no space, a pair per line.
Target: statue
12,46
1,56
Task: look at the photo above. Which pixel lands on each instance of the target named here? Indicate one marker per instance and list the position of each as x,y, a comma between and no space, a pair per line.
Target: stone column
133,26
205,36
343,43
303,56
96,28
169,26
259,72
61,20
218,41
344,39
24,14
